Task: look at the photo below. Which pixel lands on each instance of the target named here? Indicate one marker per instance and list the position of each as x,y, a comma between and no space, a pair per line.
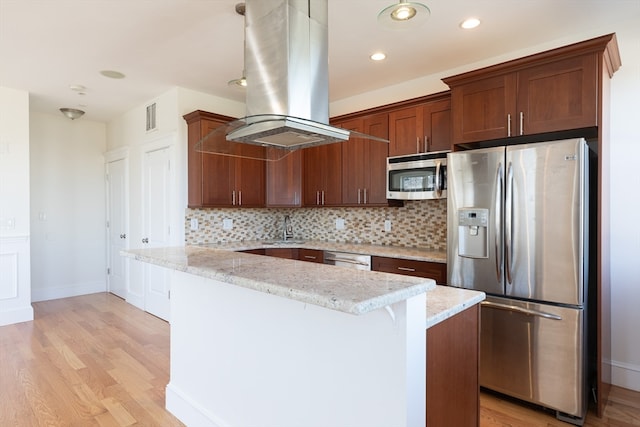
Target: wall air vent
151,117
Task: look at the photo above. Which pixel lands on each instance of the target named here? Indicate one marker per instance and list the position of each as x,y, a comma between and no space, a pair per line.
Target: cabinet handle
233,197
365,196
406,269
417,144
426,143
322,197
317,197
358,196
239,197
509,124
521,123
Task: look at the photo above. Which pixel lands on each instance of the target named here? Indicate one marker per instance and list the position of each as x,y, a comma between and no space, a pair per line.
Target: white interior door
157,209
117,226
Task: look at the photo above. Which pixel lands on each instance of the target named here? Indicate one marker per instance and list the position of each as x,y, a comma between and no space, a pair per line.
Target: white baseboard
189,412
18,315
45,294
625,375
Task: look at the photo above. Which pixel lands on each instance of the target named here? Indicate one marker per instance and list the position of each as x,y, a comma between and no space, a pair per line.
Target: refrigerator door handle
498,220
522,310
508,222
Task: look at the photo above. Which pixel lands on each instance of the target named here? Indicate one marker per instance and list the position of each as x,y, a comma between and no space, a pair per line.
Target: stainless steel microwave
417,177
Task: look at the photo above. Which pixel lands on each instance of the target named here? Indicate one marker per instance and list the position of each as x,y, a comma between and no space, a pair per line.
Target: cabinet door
354,164
437,125
405,131
453,389
323,175
484,109
249,177
376,169
559,95
217,174
284,180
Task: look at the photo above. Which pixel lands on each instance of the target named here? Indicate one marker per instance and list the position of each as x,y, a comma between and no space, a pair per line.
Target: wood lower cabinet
452,371
525,97
218,180
420,128
431,270
364,162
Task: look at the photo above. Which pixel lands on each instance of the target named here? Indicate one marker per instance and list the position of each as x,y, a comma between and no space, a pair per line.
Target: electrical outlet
387,225
194,224
339,224
227,224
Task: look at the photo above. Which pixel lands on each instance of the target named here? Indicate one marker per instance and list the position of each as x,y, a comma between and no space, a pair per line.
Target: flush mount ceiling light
72,113
112,74
378,56
404,15
469,23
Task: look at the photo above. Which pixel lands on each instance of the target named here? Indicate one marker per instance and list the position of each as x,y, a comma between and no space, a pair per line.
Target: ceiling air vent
151,117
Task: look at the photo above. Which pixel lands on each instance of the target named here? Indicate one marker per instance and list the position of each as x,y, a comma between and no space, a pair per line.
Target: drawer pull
310,257
406,269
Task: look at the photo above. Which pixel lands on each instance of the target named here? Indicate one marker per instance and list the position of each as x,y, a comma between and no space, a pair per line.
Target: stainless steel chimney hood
286,67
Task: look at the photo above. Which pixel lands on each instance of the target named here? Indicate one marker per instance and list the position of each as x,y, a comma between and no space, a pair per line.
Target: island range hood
287,94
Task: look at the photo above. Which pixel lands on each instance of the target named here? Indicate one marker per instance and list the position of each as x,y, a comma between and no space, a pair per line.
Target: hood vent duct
287,94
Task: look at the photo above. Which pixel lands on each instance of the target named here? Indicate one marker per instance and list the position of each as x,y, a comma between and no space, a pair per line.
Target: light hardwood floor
95,360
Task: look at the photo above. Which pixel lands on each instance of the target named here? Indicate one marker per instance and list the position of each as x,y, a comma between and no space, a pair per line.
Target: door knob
123,236
145,240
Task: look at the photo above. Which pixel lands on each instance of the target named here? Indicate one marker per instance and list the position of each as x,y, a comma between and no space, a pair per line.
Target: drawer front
432,270
311,255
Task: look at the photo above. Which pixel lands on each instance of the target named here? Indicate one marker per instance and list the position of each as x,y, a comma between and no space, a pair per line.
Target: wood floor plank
95,360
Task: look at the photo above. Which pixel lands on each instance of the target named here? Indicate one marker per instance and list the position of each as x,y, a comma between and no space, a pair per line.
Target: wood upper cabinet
552,96
323,175
420,128
364,162
284,180
218,180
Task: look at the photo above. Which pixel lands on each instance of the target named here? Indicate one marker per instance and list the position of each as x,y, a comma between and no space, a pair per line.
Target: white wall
15,282
625,208
67,207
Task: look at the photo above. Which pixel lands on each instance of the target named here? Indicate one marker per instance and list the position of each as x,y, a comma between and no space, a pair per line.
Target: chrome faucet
287,231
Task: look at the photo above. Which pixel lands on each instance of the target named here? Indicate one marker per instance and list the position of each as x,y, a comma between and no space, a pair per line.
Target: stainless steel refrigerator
517,229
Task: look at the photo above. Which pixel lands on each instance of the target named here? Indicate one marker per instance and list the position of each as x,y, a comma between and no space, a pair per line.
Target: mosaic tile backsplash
418,224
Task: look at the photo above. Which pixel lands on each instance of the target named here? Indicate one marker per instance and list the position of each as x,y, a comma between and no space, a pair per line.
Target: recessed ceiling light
378,56
470,23
112,74
77,88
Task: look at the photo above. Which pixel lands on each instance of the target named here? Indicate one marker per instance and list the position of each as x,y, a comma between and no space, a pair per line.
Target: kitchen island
267,341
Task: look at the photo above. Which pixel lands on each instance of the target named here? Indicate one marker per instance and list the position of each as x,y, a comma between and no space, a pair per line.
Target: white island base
243,358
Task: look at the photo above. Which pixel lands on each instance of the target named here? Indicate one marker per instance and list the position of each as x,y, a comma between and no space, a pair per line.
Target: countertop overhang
342,289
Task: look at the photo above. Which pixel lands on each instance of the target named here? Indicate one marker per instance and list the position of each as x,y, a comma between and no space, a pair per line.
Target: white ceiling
48,45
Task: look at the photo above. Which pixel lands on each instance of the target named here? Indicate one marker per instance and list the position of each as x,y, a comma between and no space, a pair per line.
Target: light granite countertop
418,254
347,290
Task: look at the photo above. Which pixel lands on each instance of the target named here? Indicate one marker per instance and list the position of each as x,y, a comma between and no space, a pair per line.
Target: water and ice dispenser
473,232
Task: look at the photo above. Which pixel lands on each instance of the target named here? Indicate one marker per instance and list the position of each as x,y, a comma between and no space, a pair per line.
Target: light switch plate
387,225
339,224
227,224
194,224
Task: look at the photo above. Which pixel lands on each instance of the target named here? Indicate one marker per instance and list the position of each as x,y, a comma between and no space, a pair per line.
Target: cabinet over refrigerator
517,229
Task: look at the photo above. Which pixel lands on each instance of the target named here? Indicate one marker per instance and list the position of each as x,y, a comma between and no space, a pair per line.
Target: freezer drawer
534,352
